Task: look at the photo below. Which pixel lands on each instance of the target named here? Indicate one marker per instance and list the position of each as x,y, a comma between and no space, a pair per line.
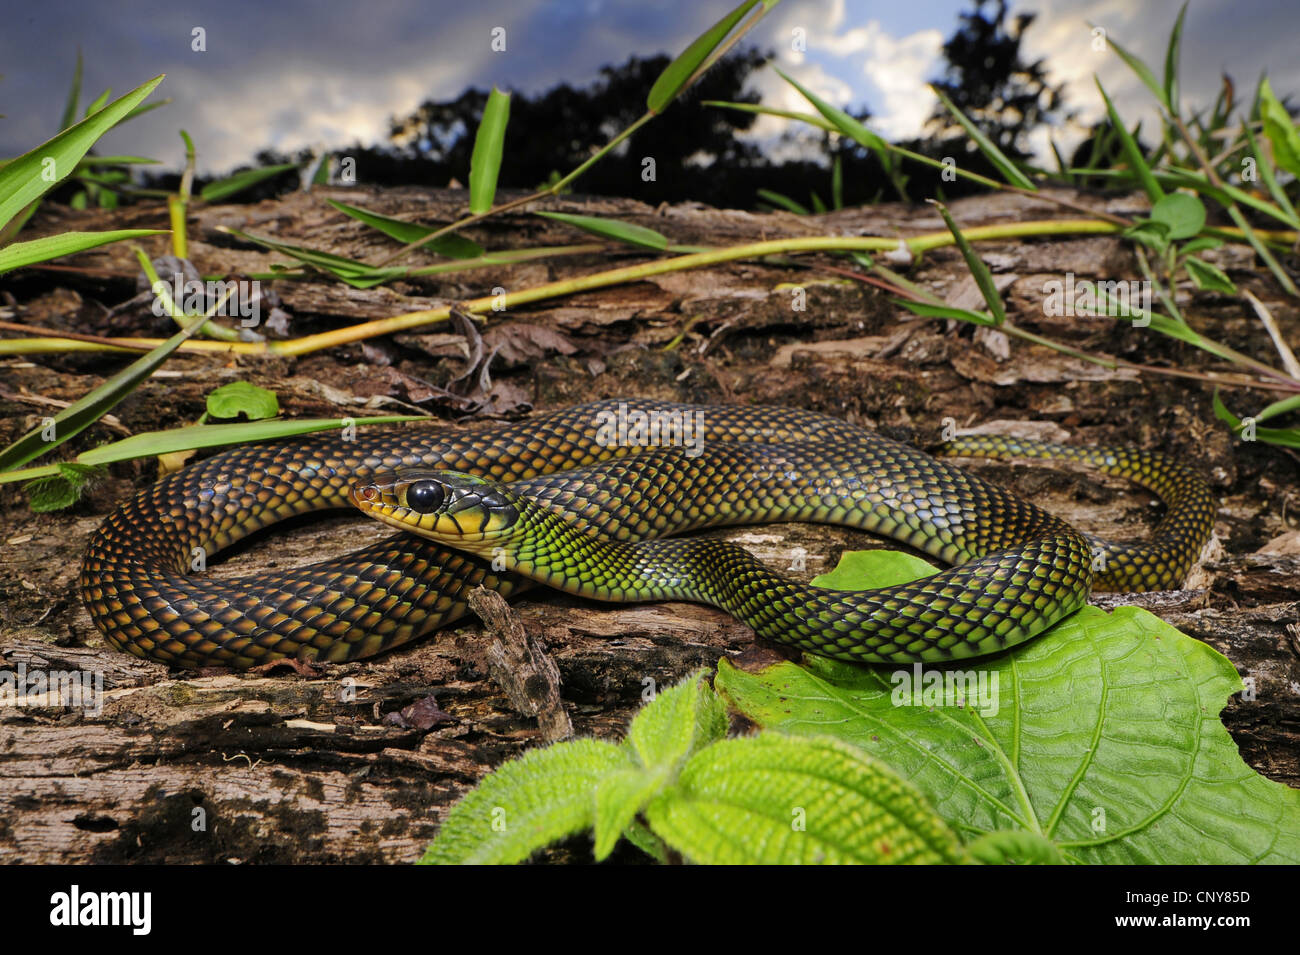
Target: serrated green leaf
680,720
451,245
1101,735
676,73
1279,129
489,144
24,179
774,799
613,229
619,797
1209,276
527,803
232,185
53,246
1014,848
242,397
1182,213
63,489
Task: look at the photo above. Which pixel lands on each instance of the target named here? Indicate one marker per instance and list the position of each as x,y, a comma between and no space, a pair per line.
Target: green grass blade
926,310
613,229
116,161
1142,70
980,271
86,411
151,443
1282,437
1131,151
23,180
783,202
15,225
1171,61
680,70
1279,407
231,185
1285,210
451,245
837,184
1009,170
489,143
812,119
852,128
98,103
74,95
51,247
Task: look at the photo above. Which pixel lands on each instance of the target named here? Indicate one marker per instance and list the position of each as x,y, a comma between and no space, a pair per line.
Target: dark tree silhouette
987,79
695,148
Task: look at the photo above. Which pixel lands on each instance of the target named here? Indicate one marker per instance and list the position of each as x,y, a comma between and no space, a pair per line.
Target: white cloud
851,65
899,68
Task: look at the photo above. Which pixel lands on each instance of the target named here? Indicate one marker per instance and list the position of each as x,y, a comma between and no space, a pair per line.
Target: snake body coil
1018,569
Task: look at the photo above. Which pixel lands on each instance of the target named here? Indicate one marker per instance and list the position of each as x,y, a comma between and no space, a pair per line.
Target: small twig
1283,349
521,666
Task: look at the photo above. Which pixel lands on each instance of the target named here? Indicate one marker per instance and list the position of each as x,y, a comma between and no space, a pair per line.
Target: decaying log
358,762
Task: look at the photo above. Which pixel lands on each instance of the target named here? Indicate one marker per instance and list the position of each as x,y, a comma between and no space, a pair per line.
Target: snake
570,500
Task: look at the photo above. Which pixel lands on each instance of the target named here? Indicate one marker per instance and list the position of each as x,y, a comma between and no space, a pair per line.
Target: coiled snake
579,500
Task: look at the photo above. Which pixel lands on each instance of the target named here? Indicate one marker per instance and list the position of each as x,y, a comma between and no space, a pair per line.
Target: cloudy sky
288,74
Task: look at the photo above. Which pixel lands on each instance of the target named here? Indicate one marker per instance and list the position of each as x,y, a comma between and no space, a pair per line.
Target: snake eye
425,496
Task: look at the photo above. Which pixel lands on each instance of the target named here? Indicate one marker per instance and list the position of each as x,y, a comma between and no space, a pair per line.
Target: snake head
450,507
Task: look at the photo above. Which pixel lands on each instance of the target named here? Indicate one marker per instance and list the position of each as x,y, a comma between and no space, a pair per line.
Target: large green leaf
1101,735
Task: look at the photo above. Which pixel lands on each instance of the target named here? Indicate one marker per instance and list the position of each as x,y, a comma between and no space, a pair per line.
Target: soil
358,762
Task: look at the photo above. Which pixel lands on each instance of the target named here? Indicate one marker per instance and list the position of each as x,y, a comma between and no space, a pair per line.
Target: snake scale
583,512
